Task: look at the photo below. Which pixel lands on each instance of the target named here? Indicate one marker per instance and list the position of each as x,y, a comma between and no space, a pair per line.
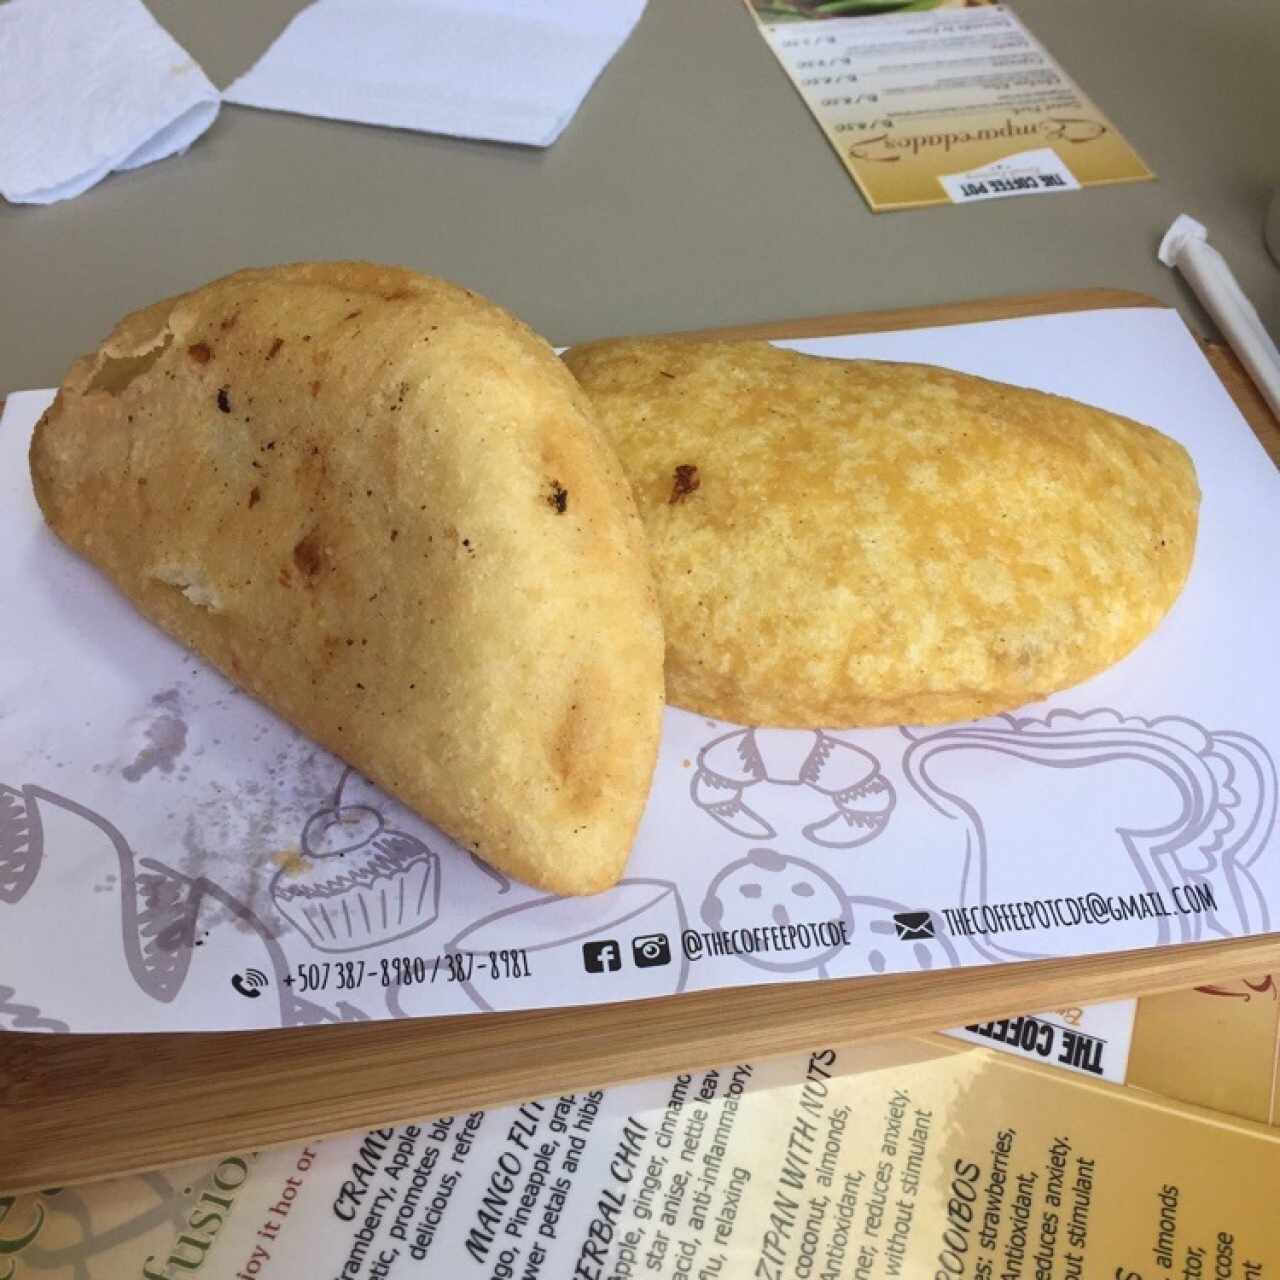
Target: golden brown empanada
379,503
851,542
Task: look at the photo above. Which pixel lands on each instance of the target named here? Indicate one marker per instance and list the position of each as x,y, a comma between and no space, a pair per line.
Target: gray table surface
692,189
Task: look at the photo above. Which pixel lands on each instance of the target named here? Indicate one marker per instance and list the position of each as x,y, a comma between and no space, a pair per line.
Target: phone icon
250,983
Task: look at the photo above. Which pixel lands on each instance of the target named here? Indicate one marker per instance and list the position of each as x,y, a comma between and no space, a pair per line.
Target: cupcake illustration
357,883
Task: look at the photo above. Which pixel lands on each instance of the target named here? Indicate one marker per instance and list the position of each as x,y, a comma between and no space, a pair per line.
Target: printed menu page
174,857
904,1159
936,103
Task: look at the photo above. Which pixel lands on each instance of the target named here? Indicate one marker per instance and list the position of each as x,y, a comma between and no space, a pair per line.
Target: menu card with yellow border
940,101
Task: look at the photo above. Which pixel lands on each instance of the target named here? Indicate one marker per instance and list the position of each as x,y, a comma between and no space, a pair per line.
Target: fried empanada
853,542
379,503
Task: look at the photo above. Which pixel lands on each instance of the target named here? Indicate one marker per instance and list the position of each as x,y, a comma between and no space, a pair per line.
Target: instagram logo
650,950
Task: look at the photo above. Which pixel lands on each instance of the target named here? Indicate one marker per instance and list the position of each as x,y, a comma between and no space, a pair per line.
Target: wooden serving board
74,1108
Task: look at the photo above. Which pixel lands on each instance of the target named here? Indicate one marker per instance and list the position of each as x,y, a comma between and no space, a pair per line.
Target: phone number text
506,964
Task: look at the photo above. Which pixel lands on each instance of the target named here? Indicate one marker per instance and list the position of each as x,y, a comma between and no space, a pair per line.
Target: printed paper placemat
174,857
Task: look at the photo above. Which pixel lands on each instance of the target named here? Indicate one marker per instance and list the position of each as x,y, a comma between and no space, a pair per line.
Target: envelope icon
912,926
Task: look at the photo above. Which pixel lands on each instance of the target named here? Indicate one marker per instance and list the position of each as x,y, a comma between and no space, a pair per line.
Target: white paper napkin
89,87
505,70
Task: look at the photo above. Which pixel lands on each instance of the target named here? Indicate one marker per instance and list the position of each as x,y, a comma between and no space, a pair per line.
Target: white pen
1186,246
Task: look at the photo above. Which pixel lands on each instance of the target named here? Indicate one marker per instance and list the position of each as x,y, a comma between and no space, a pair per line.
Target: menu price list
934,103
907,1159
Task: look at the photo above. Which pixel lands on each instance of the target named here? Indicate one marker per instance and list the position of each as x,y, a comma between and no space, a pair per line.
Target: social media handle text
825,936
652,950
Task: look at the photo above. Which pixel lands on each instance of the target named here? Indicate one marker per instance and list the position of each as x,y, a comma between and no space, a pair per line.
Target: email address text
1077,909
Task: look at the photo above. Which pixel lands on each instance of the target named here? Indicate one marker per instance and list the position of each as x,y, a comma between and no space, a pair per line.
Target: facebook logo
604,956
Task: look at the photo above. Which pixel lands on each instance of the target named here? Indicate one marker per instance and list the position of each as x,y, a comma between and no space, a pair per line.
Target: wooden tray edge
475,1061
396,1071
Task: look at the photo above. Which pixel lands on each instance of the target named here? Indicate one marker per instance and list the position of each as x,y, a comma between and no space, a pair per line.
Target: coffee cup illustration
1175,817
767,888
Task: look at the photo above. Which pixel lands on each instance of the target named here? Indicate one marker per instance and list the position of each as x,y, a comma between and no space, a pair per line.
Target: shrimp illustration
160,911
861,797
21,842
